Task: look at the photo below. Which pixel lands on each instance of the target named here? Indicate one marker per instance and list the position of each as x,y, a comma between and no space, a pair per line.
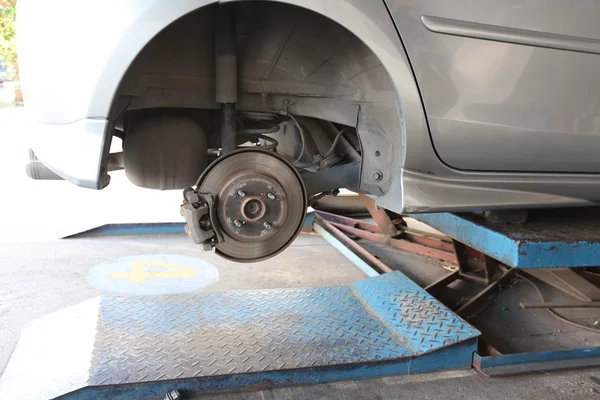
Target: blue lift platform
114,347
143,347
562,238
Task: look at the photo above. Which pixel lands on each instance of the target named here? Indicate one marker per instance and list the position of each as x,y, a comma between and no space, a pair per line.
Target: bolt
173,395
377,175
241,193
237,223
271,196
267,225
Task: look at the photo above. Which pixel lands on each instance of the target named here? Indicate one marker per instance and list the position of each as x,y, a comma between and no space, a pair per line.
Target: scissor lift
143,347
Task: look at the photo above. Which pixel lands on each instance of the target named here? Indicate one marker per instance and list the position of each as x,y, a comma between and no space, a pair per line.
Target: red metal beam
421,237
383,221
352,245
400,244
349,221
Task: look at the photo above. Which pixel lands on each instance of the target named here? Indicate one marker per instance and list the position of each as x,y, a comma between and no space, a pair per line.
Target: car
255,107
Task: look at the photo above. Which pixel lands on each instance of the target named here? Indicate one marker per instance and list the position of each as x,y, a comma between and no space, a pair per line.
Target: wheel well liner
348,67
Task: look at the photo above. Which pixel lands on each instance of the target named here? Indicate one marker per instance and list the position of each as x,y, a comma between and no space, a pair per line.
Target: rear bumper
73,151
71,64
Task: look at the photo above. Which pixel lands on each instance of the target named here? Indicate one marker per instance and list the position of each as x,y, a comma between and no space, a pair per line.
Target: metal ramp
141,347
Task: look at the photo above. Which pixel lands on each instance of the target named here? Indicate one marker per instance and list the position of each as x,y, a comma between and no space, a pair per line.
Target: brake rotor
260,200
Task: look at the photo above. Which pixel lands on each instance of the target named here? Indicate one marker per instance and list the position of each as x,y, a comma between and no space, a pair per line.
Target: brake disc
260,200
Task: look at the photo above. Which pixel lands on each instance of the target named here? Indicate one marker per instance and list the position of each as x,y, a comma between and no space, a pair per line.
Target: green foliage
8,43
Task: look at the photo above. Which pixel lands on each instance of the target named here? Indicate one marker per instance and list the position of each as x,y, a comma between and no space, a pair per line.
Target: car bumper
74,151
71,64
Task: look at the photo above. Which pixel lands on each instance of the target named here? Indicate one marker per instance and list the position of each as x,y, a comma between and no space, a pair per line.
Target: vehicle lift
149,347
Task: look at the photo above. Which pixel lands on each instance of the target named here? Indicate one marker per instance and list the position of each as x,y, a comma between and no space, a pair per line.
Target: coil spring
268,124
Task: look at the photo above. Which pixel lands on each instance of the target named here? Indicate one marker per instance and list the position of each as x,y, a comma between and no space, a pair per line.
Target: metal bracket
474,265
378,155
382,219
346,176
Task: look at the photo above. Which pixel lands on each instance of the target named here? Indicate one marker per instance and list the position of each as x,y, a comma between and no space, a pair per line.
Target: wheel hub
258,209
252,206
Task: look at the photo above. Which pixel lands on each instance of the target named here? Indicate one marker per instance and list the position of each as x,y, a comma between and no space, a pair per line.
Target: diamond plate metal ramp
138,347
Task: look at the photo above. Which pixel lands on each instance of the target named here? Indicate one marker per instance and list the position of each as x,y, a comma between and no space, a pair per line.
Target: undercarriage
249,169
250,204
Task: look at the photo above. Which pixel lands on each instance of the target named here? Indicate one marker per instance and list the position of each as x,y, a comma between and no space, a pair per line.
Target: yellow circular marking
153,274
138,273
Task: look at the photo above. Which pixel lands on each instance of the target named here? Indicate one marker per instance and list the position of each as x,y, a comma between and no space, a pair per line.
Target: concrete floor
440,386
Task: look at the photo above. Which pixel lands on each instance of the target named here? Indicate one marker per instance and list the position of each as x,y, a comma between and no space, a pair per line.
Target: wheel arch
369,22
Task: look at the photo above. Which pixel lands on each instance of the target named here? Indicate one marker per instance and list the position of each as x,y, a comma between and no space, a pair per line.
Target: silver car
254,108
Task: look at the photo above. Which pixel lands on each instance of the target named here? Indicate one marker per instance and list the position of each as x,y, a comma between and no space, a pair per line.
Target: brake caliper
200,214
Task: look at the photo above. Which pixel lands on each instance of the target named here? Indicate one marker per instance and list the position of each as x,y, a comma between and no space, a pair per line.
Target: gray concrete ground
440,386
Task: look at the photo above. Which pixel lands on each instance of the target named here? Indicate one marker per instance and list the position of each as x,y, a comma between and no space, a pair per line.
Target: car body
459,105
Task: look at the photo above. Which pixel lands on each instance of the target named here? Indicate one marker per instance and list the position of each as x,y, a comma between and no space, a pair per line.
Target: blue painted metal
154,228
511,364
346,252
565,238
452,358
308,222
158,228
571,239
412,313
212,341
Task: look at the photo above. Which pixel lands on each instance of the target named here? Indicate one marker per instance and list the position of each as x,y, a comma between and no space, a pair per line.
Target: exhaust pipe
35,169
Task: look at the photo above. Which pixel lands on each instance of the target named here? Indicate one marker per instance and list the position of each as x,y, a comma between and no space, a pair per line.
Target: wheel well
290,59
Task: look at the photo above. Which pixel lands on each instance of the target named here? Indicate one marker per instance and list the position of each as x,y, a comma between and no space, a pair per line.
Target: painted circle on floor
148,274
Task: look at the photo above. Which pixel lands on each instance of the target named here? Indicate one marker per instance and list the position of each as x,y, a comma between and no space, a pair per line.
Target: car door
507,85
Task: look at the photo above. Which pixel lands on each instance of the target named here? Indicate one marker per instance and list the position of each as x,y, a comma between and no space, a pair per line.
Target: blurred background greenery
8,43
